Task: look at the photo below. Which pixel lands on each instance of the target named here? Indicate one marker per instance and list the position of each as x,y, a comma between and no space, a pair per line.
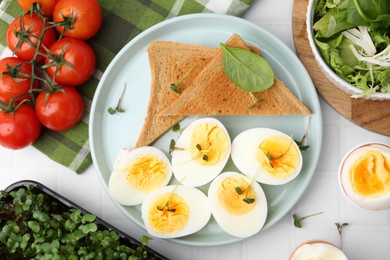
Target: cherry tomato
61,110
75,52
46,6
14,85
87,18
19,129
32,26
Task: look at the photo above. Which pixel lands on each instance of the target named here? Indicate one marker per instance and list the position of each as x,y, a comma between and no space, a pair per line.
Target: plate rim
197,16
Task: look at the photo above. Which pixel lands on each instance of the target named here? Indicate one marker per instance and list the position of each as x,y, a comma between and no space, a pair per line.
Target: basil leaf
247,70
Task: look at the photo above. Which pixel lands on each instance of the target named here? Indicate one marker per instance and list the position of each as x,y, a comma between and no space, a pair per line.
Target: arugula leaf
247,70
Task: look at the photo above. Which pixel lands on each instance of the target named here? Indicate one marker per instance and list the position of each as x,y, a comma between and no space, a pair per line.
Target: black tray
124,238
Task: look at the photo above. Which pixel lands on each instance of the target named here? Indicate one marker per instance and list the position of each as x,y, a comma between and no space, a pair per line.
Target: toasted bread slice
212,93
169,61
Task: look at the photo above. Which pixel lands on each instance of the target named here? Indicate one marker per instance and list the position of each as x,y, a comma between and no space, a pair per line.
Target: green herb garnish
174,86
301,146
118,107
166,206
169,198
255,100
239,191
248,200
300,143
270,158
340,229
176,128
247,70
172,146
298,220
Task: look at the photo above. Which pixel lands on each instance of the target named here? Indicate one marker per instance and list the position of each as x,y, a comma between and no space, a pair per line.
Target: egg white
346,185
317,250
118,186
187,170
244,149
197,202
238,226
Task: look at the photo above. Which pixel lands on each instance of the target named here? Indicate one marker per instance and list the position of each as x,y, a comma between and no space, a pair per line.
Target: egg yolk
168,214
146,173
209,143
278,156
231,200
370,174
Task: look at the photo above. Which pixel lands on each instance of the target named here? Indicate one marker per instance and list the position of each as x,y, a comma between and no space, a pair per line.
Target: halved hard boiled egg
272,157
175,211
201,152
317,249
138,172
364,176
238,204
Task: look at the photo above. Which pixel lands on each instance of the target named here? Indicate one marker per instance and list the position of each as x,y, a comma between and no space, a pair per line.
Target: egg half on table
271,156
364,176
138,172
201,152
175,211
238,204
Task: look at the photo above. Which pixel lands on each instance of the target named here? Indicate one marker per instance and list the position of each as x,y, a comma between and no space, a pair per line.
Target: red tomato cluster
51,59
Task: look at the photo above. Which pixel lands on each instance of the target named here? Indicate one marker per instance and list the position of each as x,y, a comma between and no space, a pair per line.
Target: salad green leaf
374,13
332,23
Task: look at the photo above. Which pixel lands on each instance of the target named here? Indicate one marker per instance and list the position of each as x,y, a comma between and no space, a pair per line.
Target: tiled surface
366,237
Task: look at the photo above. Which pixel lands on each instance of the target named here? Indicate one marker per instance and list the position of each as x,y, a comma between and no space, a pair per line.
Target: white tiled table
366,237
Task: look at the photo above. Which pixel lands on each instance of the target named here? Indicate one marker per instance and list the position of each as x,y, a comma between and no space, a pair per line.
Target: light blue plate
109,133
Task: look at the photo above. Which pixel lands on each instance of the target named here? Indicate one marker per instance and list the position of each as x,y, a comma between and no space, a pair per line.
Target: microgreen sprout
118,107
340,229
200,152
176,128
174,86
300,143
205,157
255,100
298,220
169,198
172,146
270,158
246,199
240,191
166,206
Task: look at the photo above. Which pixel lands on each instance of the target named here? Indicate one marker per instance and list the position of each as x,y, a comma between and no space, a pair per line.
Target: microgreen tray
62,205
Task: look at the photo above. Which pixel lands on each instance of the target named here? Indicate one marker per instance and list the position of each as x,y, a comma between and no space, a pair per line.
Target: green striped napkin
123,20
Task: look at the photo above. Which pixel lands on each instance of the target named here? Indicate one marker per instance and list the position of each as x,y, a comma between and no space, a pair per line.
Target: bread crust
169,61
